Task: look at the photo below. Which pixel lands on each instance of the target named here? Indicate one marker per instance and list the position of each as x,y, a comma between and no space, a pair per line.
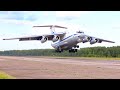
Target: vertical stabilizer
52,28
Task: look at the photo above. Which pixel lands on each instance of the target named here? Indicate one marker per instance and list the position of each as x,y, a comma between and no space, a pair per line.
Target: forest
82,52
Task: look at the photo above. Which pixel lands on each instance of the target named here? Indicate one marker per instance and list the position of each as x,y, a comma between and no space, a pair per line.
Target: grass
96,58
3,75
100,58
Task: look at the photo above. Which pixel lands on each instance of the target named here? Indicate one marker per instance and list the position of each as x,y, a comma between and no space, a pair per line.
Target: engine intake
86,39
56,38
93,41
44,39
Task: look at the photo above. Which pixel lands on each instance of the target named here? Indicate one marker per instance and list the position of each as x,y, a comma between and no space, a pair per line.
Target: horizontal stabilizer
56,26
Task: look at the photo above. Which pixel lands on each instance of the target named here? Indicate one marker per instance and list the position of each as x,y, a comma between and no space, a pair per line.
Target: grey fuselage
68,41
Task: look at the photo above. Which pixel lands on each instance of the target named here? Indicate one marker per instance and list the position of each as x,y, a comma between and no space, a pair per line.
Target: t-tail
52,27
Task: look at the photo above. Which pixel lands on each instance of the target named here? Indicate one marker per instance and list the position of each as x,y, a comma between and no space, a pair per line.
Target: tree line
82,52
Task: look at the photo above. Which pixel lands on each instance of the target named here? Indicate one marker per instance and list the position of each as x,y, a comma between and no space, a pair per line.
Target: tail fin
52,27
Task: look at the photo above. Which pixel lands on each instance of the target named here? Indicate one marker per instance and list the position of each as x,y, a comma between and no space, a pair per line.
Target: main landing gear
76,46
73,50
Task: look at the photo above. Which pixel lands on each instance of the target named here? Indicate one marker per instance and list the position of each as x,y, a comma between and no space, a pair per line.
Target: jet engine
86,39
99,41
44,39
56,38
93,41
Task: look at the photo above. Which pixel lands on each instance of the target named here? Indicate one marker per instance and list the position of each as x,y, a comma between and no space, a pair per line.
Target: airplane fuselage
67,42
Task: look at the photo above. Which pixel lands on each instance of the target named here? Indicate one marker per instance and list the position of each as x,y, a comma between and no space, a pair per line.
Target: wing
26,38
105,40
39,37
97,40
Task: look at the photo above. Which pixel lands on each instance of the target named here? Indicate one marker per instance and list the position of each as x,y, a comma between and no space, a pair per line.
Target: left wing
39,37
93,40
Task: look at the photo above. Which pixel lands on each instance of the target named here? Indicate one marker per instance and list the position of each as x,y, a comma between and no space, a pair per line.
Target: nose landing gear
59,50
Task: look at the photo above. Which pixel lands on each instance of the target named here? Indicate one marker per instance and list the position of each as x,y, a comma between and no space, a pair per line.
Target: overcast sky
101,24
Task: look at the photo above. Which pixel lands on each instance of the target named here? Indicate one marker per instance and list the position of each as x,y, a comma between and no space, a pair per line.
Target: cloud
22,22
18,15
26,17
69,15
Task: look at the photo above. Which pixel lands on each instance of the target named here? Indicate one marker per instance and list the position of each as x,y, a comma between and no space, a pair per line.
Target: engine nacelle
99,41
93,41
86,39
56,38
44,39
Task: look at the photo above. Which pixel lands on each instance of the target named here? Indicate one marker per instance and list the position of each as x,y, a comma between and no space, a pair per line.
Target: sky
101,24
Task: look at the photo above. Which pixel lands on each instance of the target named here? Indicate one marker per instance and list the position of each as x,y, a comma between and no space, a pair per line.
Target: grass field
96,58
99,58
5,76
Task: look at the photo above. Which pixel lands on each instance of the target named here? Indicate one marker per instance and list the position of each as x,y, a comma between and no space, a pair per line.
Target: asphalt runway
59,68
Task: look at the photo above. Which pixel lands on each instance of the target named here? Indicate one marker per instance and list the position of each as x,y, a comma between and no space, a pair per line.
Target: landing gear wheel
73,50
77,46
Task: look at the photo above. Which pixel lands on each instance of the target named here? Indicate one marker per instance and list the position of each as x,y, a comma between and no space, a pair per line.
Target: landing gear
59,50
76,46
73,50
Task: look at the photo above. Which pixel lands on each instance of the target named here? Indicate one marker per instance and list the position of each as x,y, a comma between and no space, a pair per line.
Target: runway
59,68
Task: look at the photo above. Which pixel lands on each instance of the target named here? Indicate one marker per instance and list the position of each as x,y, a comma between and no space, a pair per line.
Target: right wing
96,40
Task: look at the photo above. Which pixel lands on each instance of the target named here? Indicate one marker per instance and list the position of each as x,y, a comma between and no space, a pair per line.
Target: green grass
96,58
100,58
5,76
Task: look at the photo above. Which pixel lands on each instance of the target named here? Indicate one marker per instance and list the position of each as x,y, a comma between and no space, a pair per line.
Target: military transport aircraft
62,41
